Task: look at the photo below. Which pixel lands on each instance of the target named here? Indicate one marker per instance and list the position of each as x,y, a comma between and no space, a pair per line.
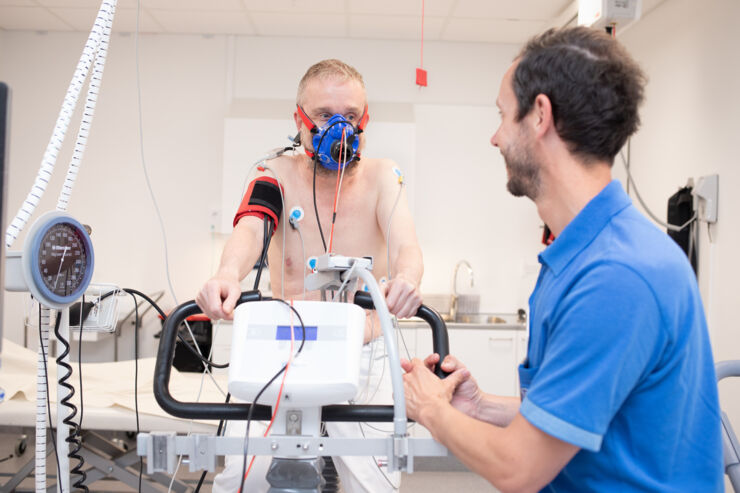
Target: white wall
190,85
690,129
183,81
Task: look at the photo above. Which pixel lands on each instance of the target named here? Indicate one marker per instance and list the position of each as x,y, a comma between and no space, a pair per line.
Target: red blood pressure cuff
263,198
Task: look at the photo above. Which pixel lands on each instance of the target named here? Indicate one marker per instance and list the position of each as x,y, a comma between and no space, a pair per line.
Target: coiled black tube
73,439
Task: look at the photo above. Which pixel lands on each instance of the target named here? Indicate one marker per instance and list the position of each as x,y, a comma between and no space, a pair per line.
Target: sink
479,318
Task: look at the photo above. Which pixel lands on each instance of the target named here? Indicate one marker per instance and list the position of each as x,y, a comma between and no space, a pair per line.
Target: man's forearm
240,253
497,410
480,446
409,264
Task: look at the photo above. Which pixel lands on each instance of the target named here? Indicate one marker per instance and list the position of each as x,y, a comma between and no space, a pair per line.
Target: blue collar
585,227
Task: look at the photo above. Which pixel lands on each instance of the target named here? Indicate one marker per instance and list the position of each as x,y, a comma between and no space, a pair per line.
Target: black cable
73,438
179,336
79,360
48,402
265,245
218,434
78,469
136,378
266,386
315,207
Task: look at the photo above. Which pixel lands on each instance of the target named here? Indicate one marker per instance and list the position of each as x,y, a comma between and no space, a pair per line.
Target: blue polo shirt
619,361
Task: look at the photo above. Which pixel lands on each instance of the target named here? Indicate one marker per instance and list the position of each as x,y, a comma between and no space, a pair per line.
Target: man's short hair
328,69
594,87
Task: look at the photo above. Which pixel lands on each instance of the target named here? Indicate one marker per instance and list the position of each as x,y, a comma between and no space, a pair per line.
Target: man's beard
524,171
323,171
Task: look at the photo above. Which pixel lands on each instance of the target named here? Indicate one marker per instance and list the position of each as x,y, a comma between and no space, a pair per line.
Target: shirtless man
369,190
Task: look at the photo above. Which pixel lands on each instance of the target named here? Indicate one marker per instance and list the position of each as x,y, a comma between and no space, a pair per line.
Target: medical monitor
4,117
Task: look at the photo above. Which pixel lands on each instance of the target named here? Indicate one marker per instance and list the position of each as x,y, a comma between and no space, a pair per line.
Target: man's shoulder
635,252
380,170
378,163
634,239
283,167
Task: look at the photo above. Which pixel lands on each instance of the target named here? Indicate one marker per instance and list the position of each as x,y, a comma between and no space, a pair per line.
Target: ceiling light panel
30,19
297,6
394,27
506,9
491,30
203,21
308,25
438,8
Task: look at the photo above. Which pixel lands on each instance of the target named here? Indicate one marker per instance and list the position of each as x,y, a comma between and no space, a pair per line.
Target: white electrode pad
328,368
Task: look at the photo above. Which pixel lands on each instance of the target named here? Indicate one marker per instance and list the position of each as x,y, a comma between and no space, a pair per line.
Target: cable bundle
73,439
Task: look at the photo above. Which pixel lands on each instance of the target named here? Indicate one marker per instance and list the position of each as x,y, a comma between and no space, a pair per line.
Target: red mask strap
363,120
306,120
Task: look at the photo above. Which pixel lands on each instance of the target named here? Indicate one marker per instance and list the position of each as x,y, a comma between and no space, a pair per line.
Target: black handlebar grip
440,340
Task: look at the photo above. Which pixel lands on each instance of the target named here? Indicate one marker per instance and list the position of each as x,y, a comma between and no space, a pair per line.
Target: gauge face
62,259
57,260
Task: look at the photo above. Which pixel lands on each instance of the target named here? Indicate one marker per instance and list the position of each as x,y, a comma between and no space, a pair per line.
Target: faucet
453,303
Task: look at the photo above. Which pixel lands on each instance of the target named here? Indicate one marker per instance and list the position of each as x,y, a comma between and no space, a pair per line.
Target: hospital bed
108,391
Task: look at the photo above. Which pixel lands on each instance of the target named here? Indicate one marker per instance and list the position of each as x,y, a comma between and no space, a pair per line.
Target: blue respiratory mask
328,147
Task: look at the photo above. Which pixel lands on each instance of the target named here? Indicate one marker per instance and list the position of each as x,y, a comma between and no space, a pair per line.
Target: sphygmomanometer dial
58,260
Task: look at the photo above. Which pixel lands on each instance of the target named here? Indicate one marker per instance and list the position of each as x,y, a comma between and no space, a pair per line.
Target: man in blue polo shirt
618,390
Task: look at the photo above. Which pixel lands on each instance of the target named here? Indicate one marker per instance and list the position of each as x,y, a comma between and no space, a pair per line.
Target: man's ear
297,120
542,115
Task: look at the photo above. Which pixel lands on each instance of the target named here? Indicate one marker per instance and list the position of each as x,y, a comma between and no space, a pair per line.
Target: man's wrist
227,273
408,277
431,414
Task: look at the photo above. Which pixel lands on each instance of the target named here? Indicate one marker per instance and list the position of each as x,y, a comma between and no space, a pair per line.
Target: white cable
41,403
106,21
60,129
670,227
154,198
197,399
303,254
341,179
347,278
388,231
388,261
143,160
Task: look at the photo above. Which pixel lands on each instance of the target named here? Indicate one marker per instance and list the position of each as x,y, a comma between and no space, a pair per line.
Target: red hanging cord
340,170
421,74
421,63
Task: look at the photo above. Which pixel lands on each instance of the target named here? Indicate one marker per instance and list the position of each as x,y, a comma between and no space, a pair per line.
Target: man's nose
494,139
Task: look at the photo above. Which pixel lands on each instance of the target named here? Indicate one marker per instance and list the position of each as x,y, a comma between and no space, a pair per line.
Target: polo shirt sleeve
604,336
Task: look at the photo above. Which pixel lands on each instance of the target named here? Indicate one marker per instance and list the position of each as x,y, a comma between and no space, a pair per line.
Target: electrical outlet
214,219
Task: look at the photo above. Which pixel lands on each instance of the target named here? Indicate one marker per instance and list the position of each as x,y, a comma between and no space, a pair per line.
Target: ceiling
494,21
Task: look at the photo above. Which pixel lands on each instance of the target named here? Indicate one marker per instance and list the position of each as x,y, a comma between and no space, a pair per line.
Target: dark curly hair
594,87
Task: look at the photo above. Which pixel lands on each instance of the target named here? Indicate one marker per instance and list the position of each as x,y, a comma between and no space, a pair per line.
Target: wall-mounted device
705,196
613,14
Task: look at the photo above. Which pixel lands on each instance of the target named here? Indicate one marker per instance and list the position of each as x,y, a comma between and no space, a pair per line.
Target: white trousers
357,474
